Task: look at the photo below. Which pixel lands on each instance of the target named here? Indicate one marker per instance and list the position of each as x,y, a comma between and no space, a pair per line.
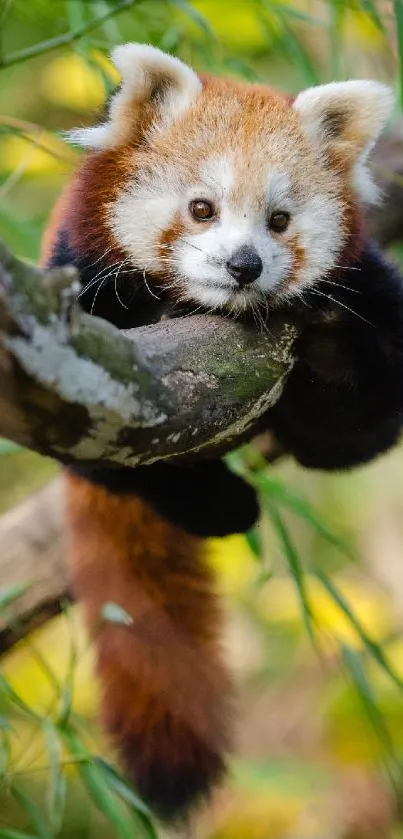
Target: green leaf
93,778
56,791
371,10
398,7
7,447
294,562
194,15
236,65
110,28
5,746
373,648
253,468
297,505
43,664
104,800
16,834
290,12
13,696
38,822
296,53
9,594
66,703
252,538
365,693
119,785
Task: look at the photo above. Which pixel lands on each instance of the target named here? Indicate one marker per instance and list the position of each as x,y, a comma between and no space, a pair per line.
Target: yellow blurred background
320,731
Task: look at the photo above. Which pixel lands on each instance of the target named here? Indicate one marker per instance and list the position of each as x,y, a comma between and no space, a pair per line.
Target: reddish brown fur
169,235
165,691
83,204
165,694
232,113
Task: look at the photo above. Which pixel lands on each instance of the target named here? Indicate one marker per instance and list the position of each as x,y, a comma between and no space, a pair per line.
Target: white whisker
96,295
116,286
148,287
340,285
342,305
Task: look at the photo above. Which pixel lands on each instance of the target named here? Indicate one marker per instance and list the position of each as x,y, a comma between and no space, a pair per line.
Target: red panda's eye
279,222
202,210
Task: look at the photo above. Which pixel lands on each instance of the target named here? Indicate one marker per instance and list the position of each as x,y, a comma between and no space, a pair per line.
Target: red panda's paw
171,767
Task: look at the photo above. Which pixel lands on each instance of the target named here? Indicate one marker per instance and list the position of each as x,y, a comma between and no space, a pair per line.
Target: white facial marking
196,259
142,212
200,257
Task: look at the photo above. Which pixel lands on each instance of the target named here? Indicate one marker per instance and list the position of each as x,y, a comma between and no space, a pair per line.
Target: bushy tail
166,695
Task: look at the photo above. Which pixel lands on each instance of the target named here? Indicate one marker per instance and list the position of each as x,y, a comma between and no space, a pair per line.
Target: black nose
245,265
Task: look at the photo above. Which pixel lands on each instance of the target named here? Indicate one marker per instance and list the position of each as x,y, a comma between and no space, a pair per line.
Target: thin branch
32,538
67,37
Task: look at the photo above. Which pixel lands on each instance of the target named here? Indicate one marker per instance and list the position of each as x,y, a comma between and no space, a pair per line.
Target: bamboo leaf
373,648
295,566
119,785
98,789
365,693
252,538
38,821
300,507
398,8
194,15
13,696
67,38
5,746
371,10
292,13
56,791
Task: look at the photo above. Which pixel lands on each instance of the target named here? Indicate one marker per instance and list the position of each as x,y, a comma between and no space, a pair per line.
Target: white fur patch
200,258
146,71
278,191
144,209
196,261
217,174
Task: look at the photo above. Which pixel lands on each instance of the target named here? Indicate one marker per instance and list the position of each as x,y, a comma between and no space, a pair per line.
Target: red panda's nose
245,265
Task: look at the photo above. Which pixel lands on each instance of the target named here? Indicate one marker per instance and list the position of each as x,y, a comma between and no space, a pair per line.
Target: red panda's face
231,220
233,196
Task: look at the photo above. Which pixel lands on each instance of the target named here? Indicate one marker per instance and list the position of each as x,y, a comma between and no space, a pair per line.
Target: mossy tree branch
75,388
72,386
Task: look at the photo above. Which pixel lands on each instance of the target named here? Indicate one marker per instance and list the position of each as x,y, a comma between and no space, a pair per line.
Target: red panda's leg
165,692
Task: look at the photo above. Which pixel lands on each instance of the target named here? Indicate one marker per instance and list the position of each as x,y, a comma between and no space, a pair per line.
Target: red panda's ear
343,120
155,89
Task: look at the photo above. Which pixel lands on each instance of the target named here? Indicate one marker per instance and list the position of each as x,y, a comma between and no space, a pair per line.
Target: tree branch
32,537
74,387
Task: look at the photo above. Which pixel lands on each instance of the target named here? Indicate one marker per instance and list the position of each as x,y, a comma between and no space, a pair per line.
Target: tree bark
32,537
75,388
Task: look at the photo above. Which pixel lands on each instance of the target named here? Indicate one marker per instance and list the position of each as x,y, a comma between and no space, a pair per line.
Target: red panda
207,194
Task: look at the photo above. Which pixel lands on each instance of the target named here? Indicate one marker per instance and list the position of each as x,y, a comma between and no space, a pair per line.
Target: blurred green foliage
312,562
